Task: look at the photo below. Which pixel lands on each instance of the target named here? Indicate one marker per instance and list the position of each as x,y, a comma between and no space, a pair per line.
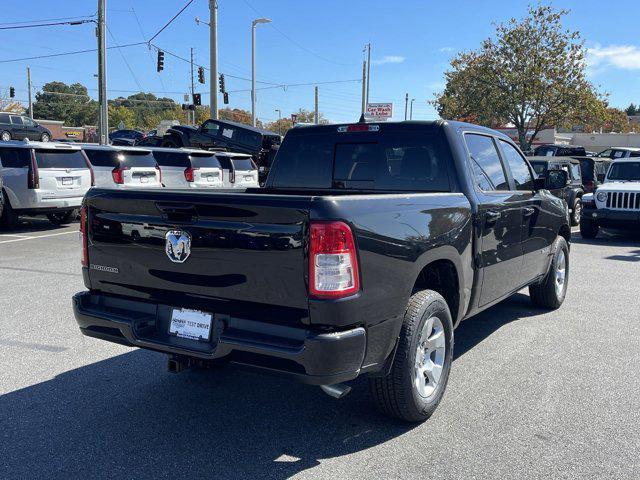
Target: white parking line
22,239
12,235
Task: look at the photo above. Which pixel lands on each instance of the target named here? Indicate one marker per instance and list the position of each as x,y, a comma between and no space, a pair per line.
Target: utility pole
368,69
279,123
316,117
213,57
406,104
364,86
193,91
29,87
102,74
411,109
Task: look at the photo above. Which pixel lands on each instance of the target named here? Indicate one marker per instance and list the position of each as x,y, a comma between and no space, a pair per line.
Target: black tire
45,137
396,394
589,229
60,218
172,143
576,212
5,136
9,218
546,294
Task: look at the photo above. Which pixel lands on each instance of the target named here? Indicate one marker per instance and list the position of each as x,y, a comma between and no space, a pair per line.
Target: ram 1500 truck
366,248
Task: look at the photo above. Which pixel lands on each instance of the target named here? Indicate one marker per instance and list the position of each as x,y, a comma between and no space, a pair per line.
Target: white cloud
625,57
446,49
388,59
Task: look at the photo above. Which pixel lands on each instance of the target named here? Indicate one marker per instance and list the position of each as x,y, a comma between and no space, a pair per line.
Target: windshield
539,167
60,159
544,151
624,171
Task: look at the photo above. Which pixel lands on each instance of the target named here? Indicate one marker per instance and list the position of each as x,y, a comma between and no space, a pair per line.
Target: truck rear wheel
550,293
416,383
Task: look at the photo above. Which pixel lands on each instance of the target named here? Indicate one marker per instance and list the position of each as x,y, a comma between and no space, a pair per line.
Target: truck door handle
492,217
528,211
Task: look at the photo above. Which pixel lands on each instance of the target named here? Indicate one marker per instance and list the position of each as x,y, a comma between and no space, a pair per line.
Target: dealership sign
379,111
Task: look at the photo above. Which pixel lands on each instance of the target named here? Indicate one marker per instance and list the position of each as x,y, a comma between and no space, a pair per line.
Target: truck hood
619,187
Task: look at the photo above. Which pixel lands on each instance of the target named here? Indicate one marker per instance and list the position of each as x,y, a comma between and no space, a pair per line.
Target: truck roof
247,127
114,148
560,159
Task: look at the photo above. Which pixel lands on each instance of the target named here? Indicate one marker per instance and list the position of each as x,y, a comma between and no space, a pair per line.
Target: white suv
188,168
123,167
42,178
238,169
616,203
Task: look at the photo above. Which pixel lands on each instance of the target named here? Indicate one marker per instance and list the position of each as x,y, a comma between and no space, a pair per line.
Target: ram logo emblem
177,245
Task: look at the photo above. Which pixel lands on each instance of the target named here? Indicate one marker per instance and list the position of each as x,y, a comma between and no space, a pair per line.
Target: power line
286,85
72,22
48,20
170,21
76,52
295,42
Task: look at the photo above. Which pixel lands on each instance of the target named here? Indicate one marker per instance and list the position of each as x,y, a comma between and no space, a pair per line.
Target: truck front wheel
418,377
589,229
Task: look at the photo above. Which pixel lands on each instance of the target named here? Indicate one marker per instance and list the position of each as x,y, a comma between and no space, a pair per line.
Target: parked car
559,151
573,190
125,137
18,127
123,167
188,168
616,203
239,171
42,178
223,135
593,171
368,245
619,152
149,141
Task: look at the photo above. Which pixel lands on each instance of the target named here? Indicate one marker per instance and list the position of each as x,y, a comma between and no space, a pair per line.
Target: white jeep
616,203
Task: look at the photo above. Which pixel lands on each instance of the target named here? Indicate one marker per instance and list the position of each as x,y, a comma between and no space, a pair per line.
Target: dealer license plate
67,180
191,324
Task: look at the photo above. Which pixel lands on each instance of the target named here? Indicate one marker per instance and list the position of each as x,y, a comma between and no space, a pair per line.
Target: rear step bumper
309,356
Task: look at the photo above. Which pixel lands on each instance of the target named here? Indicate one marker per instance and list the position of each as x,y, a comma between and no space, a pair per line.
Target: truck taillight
159,172
333,264
33,180
90,167
118,174
83,236
188,173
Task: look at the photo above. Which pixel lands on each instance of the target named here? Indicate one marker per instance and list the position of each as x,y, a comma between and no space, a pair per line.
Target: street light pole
368,70
213,57
102,74
411,110
279,118
253,66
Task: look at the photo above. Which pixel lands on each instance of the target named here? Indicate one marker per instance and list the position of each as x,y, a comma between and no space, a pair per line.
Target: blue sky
412,42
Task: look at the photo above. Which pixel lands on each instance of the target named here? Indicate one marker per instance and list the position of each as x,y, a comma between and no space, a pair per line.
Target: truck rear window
60,159
113,158
395,160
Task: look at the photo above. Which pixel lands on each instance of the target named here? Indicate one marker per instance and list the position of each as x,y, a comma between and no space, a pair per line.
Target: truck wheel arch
441,270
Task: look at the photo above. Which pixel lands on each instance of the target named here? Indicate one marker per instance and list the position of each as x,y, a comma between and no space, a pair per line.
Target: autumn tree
531,75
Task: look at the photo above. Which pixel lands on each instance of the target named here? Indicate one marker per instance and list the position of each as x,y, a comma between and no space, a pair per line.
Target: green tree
531,75
148,110
121,114
632,110
69,103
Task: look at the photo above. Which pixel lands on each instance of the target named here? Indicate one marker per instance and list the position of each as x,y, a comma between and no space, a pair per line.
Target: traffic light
201,74
12,92
222,89
197,100
160,66
226,98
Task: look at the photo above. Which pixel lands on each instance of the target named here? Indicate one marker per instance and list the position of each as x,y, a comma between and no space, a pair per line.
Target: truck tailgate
246,250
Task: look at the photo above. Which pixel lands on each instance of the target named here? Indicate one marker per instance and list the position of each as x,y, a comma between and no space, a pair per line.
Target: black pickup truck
367,247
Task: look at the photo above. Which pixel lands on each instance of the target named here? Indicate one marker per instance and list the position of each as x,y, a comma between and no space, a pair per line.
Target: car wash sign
379,111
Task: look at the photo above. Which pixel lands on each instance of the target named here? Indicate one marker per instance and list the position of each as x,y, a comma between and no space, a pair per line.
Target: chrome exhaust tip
337,390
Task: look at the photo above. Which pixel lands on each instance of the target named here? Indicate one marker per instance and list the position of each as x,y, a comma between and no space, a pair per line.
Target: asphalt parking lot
532,394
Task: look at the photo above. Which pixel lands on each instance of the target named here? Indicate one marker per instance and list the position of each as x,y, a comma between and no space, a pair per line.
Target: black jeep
223,135
573,191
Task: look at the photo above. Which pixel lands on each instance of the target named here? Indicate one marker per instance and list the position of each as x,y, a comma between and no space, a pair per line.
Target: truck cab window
486,163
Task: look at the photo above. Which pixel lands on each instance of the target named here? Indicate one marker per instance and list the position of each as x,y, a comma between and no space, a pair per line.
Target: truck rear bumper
309,356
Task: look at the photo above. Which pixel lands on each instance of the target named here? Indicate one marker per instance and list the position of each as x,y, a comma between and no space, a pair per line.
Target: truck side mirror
556,179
